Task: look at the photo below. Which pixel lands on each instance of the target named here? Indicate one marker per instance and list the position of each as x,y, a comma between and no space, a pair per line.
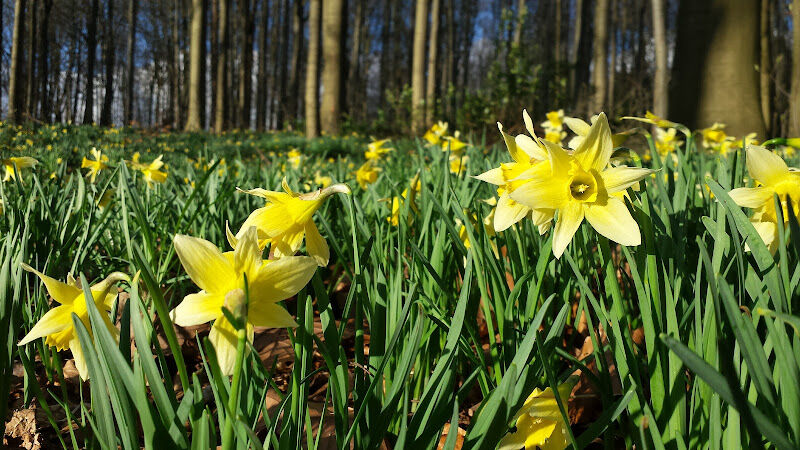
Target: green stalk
233,399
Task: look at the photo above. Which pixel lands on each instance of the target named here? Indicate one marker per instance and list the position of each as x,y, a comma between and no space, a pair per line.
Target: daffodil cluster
554,127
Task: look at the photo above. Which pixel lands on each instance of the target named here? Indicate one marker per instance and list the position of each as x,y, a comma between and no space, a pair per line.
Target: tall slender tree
660,94
14,82
30,72
246,63
195,68
130,55
261,88
91,56
110,59
332,51
293,104
418,67
222,56
433,52
312,69
765,66
794,95
600,51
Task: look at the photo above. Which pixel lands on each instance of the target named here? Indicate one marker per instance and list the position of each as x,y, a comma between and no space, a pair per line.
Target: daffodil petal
542,192
595,150
620,178
531,149
614,221
316,245
578,126
247,253
508,212
197,308
281,279
223,338
270,315
80,359
204,263
569,219
751,197
53,321
765,166
493,176
60,292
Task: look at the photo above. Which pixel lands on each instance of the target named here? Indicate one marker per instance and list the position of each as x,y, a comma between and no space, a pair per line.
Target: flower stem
233,399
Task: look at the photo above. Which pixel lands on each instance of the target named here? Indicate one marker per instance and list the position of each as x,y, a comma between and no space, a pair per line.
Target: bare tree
295,61
765,67
600,74
110,59
418,68
130,52
312,69
91,56
222,55
195,67
14,85
433,47
794,96
660,42
261,81
332,43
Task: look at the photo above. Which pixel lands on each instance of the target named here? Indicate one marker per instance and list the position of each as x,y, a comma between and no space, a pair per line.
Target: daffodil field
428,292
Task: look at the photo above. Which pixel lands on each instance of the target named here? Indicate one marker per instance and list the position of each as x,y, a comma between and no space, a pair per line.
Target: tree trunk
714,71
177,111
14,84
130,52
576,42
312,69
660,82
612,58
203,67
283,72
292,103
222,34
246,64
195,67
600,50
261,89
418,68
110,57
522,14
433,47
332,43
354,68
30,73
765,67
386,50
450,62
44,54
91,56
794,96
558,33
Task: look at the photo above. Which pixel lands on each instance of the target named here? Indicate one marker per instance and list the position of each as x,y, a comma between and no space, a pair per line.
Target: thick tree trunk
660,81
91,56
130,70
195,67
222,34
312,69
418,68
14,84
433,48
794,96
715,66
332,45
600,50
110,59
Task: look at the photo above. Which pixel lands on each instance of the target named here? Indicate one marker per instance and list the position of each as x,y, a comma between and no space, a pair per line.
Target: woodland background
391,67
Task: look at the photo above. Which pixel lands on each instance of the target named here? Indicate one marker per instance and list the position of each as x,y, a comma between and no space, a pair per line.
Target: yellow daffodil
295,158
581,185
322,181
714,137
56,325
405,196
285,220
106,198
555,120
458,164
221,276
436,133
555,136
95,165
774,178
539,423
653,120
581,129
526,153
666,141
152,172
367,174
18,162
376,149
453,144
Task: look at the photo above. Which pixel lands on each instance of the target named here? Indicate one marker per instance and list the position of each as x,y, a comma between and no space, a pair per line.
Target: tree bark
660,81
14,84
130,52
30,73
177,111
612,58
794,96
195,67
354,68
576,42
522,14
222,34
765,67
600,50
283,72
386,51
433,48
312,69
91,56
261,89
246,64
292,103
418,68
714,71
110,59
332,43
44,55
